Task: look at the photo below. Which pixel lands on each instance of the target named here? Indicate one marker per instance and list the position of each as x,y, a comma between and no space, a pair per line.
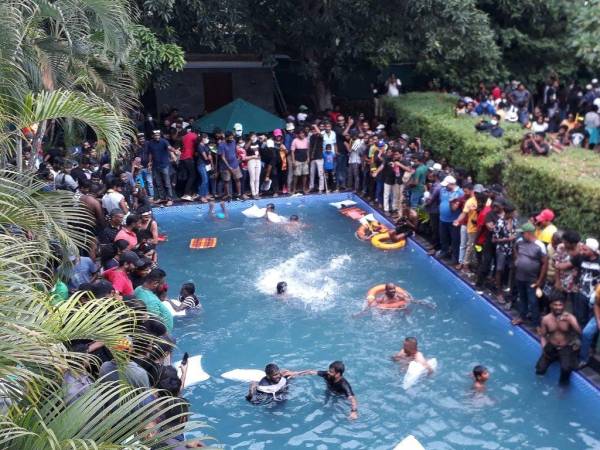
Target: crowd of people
526,262
563,116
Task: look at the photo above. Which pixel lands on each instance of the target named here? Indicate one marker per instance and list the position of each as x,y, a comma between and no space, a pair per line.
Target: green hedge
568,183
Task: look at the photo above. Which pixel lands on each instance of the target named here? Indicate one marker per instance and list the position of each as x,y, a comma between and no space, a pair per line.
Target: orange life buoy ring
366,232
376,291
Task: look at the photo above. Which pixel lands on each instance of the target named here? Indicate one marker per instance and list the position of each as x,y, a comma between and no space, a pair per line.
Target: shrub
568,183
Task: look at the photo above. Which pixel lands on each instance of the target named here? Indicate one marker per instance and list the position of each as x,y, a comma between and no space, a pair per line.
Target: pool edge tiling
578,380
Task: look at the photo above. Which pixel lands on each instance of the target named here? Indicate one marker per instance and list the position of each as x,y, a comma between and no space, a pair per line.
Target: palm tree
63,60
33,336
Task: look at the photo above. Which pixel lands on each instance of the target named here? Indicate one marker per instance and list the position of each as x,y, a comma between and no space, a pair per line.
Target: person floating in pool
272,216
481,375
391,296
217,215
187,299
410,352
402,231
273,387
559,331
281,288
337,384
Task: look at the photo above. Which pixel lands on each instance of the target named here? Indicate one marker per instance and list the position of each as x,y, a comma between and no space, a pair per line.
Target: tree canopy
454,42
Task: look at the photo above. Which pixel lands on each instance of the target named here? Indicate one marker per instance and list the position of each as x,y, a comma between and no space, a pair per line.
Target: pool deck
590,374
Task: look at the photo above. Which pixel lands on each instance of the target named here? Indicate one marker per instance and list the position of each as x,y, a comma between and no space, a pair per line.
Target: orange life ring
375,291
366,232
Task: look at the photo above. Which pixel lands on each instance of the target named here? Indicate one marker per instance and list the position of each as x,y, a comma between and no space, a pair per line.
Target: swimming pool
328,272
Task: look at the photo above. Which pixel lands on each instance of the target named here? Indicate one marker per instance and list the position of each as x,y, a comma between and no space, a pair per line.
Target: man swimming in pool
410,352
337,384
217,215
281,288
481,375
402,231
273,386
391,296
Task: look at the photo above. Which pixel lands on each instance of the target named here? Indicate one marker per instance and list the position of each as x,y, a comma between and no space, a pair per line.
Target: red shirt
496,92
481,225
128,236
119,279
188,144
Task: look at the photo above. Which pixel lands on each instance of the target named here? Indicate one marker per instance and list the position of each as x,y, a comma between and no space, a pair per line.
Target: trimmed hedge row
568,183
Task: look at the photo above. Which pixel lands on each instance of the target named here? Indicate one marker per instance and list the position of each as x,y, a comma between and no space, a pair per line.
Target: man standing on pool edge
337,384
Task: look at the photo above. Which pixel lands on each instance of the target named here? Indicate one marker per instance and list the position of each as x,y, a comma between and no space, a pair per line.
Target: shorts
300,168
226,174
502,260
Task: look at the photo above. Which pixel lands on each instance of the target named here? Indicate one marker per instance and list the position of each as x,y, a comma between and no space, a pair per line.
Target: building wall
186,90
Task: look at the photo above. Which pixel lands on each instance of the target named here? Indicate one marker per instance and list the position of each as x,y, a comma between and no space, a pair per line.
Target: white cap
448,180
238,127
436,166
595,81
592,244
270,143
588,86
289,126
380,127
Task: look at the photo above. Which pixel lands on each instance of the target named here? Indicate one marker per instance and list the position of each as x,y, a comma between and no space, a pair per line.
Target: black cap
130,257
102,288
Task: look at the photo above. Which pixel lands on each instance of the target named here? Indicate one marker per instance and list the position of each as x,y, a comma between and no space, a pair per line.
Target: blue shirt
446,213
287,141
328,156
160,153
229,150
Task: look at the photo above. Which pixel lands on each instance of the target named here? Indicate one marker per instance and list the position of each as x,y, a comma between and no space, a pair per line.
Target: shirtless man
558,328
390,296
480,376
410,352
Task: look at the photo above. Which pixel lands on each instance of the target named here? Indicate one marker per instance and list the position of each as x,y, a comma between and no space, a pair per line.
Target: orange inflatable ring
378,241
365,233
378,290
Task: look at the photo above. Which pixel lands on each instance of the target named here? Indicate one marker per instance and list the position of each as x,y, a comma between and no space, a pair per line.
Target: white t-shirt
329,138
394,89
539,127
111,200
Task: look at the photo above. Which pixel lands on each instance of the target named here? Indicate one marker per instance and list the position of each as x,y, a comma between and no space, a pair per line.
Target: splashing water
308,280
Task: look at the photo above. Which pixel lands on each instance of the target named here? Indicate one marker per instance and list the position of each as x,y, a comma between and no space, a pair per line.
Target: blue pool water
328,272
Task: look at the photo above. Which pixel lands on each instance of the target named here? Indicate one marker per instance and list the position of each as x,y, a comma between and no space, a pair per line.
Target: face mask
238,132
494,122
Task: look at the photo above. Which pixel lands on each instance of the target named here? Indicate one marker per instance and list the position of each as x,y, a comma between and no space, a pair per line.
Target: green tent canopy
250,116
